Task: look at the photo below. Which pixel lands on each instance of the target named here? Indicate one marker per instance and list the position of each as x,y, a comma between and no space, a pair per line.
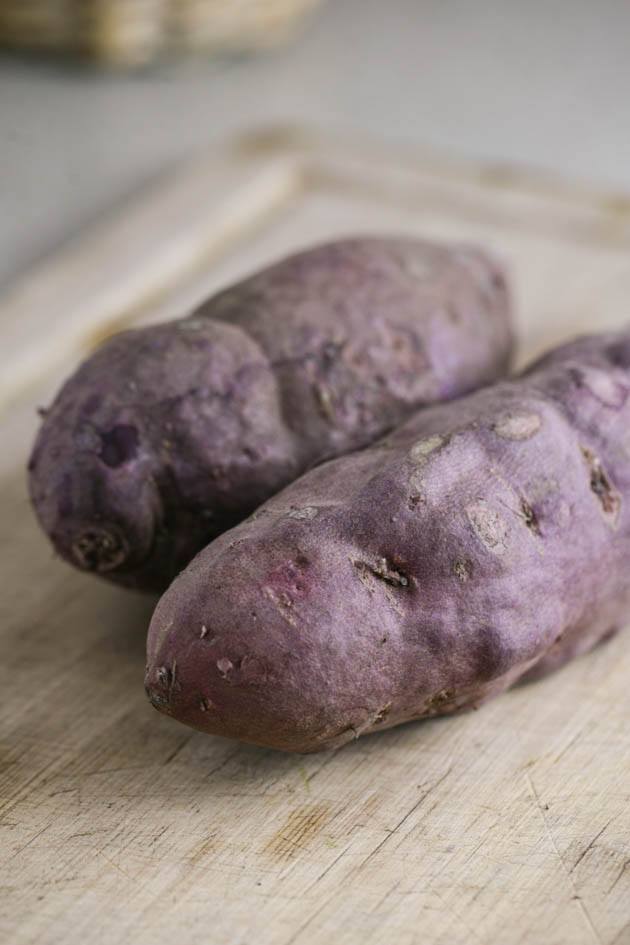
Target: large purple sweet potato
482,542
171,434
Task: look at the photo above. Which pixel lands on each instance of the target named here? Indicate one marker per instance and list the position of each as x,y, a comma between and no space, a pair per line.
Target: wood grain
510,825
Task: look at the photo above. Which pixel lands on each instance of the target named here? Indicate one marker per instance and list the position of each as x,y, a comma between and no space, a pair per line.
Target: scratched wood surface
508,825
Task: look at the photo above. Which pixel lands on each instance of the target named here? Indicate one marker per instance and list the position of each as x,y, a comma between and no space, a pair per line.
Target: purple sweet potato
170,434
482,542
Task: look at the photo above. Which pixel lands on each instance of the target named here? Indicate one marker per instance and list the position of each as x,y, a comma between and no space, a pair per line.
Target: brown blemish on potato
157,700
488,526
416,500
166,680
438,700
602,487
462,568
298,830
384,572
382,714
529,517
518,426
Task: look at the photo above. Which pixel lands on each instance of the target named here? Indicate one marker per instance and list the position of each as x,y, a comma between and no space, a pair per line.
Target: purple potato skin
171,434
483,542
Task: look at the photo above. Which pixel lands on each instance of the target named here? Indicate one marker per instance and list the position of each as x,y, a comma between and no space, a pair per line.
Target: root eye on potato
515,562
169,435
98,550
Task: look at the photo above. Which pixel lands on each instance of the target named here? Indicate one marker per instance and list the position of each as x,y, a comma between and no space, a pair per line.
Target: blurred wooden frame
134,32
110,276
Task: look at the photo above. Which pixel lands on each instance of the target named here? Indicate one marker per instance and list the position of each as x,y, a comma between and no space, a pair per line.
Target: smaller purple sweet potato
482,542
168,435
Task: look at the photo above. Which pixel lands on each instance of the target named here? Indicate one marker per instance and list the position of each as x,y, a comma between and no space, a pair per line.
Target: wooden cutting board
508,825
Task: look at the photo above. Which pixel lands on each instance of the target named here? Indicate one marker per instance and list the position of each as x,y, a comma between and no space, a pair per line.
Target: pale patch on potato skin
169,435
420,451
489,526
518,426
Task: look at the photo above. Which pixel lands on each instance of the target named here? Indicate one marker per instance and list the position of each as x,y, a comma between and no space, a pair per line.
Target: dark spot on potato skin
530,517
119,445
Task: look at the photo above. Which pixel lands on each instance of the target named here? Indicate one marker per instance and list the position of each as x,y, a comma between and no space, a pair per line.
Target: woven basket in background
132,32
